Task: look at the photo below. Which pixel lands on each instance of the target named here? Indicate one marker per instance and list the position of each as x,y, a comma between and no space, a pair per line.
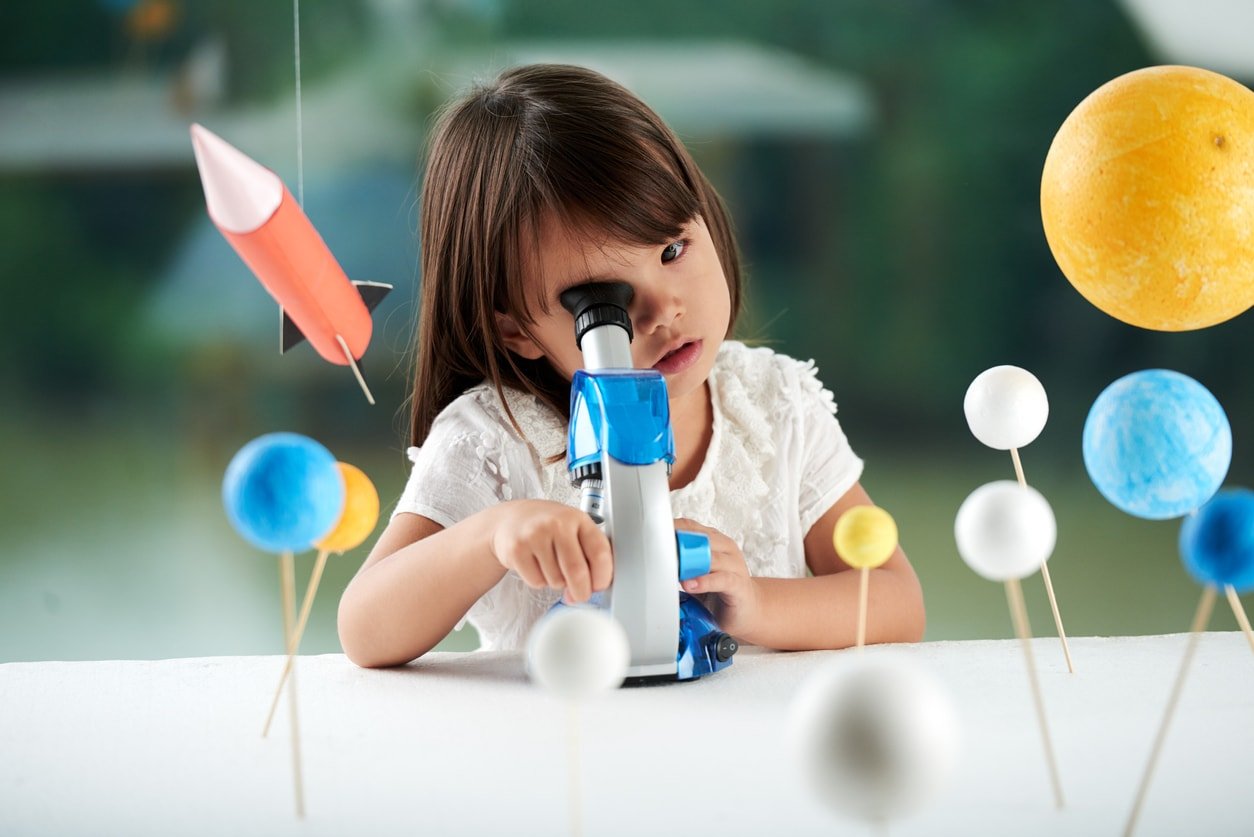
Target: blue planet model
1217,543
282,492
1157,444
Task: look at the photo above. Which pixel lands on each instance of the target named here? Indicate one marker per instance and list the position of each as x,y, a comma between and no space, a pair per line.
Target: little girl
547,178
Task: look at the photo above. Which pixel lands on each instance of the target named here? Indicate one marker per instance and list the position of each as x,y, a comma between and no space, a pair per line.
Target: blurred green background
881,160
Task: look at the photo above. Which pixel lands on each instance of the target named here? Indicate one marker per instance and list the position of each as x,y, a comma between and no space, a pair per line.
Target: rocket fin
289,334
372,293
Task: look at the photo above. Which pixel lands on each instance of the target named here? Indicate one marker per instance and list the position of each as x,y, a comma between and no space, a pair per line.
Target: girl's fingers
717,581
529,571
596,548
573,566
547,560
719,542
690,525
730,559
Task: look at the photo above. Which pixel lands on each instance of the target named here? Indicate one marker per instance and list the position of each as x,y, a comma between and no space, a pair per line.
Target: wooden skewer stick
1200,620
1049,584
293,642
1239,612
576,812
361,381
862,605
287,573
1014,594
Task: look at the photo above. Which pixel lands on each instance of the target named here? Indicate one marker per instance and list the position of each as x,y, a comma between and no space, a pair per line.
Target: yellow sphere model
865,537
361,511
1147,198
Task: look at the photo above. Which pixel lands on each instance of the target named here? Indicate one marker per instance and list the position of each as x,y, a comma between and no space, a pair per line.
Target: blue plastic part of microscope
698,640
694,554
624,413
698,636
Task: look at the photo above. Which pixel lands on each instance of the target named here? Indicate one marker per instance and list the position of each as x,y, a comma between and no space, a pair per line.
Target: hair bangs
610,189
626,193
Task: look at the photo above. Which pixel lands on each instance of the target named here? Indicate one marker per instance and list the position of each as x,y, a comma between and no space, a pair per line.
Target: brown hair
539,139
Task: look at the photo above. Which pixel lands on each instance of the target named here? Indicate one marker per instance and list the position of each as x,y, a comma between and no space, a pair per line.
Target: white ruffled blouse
777,461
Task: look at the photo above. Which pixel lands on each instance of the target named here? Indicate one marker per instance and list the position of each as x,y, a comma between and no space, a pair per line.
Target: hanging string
300,138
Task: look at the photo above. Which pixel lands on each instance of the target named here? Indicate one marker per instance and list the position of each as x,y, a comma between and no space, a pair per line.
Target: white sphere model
1006,407
1005,530
577,652
875,739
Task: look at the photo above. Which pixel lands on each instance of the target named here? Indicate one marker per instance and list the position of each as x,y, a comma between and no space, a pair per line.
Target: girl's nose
654,307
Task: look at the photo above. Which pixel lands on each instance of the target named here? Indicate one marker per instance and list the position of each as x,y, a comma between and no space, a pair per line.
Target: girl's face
679,312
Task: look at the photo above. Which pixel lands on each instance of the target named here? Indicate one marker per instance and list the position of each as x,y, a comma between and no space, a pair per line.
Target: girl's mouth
679,359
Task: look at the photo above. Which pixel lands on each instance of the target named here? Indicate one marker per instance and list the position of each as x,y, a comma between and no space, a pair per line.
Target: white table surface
462,744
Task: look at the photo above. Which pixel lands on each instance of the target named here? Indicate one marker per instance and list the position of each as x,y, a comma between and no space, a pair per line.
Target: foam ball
1146,198
361,511
282,492
865,537
578,652
874,739
1157,444
1006,407
1005,530
1217,543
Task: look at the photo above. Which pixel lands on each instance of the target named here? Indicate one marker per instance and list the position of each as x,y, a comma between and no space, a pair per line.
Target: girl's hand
737,606
552,545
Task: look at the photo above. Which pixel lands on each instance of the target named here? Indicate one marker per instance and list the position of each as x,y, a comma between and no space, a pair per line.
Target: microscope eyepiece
596,304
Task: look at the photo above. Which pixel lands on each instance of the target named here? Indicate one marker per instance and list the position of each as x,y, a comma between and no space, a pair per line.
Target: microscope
619,453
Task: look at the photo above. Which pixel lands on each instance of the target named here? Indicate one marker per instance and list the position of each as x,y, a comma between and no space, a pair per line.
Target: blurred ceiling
1212,34
131,121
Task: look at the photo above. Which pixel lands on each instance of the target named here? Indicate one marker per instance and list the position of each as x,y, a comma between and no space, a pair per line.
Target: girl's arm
416,584
421,578
822,612
807,614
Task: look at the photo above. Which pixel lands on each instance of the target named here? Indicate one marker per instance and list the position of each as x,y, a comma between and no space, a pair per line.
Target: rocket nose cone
240,193
199,132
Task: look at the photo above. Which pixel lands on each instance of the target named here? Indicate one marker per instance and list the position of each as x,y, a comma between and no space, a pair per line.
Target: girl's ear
514,338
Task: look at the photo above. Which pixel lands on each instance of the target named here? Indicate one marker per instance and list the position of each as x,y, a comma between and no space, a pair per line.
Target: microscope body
620,449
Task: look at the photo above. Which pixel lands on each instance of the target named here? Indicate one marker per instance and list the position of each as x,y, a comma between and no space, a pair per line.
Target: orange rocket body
262,221
293,263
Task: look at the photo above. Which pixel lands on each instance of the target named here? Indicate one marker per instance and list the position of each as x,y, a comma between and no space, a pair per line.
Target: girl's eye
673,251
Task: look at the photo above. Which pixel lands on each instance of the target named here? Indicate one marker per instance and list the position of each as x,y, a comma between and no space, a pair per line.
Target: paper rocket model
256,213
